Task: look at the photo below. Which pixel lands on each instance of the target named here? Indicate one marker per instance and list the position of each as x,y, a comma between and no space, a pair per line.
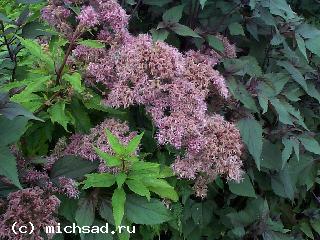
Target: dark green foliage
275,80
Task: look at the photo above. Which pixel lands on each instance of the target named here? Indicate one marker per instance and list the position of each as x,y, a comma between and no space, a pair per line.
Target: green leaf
159,34
282,184
288,148
142,169
111,161
215,43
105,211
102,180
139,188
202,213
183,30
91,43
295,73
12,130
134,144
65,167
306,229
161,187
283,113
114,142
310,144
75,81
8,167
202,3
251,133
118,203
301,45
313,45
244,188
241,93
59,114
35,49
85,213
236,29
120,179
173,15
141,211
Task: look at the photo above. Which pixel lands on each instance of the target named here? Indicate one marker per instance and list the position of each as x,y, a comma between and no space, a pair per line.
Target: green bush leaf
173,15
12,130
134,144
59,114
75,81
183,30
139,188
161,187
215,43
111,161
118,203
114,142
8,166
102,180
91,43
65,167
141,211
236,29
251,133
310,144
244,188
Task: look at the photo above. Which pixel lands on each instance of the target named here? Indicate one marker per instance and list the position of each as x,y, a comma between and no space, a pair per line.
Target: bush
180,119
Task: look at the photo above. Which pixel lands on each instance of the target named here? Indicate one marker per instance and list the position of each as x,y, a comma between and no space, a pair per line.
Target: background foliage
275,80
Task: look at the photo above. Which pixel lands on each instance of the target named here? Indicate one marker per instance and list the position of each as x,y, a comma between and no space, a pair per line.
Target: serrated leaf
313,45
236,29
139,188
161,187
251,133
173,15
102,180
288,148
118,203
91,43
111,161
283,113
243,188
141,211
35,49
241,93
301,45
75,81
295,73
8,166
59,115
134,144
120,179
310,144
183,30
114,142
215,43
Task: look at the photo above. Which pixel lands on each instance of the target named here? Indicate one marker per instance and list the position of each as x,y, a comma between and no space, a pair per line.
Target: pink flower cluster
107,11
174,88
28,205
